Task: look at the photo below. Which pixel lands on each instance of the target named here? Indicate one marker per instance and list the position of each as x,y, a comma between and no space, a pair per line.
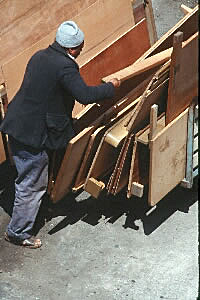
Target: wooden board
167,158
120,54
77,147
95,34
106,153
141,119
184,73
70,164
2,150
142,66
188,24
25,22
118,111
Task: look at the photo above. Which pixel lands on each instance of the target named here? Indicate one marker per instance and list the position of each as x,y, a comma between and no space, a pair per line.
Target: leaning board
120,20
184,73
167,158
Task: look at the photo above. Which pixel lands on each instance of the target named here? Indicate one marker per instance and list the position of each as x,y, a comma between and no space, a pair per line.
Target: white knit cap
69,35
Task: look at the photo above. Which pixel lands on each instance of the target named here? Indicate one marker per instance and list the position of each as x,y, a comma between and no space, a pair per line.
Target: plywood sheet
120,54
184,72
24,22
70,164
95,34
167,158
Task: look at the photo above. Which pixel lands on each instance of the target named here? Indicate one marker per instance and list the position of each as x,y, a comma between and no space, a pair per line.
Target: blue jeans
30,186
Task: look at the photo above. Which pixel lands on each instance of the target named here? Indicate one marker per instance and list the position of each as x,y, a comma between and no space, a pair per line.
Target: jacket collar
60,49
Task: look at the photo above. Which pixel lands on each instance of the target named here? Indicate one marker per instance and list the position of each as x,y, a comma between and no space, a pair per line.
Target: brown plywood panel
26,22
93,144
167,158
120,54
115,26
183,83
103,22
70,164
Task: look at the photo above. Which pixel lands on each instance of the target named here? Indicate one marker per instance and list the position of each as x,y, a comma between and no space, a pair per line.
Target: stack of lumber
110,153
117,141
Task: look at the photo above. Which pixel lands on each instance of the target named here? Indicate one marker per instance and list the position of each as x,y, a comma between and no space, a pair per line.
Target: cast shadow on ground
112,208
75,207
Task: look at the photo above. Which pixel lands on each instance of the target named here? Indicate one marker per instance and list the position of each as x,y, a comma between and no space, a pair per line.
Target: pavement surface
109,248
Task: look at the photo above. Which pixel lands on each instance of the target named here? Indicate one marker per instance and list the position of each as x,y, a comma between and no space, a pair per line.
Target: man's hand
115,82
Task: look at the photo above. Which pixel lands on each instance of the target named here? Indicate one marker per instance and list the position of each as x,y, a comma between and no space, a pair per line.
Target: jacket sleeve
74,84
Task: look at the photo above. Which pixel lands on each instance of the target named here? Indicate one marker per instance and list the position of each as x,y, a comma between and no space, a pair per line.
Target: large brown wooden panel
97,37
27,21
183,83
120,54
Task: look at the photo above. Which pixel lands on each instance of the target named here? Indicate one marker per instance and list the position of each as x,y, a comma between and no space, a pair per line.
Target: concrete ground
108,248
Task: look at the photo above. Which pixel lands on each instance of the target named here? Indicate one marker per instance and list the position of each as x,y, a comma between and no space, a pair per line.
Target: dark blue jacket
40,114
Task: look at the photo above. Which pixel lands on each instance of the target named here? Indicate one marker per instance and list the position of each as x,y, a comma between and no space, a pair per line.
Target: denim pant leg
30,186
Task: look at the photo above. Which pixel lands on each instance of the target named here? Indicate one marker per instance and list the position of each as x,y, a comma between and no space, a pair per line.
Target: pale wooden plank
94,187
151,22
153,121
186,10
167,158
137,189
142,66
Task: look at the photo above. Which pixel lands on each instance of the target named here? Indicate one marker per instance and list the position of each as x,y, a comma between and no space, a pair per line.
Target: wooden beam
186,10
94,187
151,22
142,66
137,189
122,52
153,121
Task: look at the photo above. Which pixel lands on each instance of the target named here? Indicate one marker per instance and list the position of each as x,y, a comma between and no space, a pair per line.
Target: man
40,117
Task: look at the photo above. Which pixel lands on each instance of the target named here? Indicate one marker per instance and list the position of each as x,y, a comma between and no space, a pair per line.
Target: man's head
70,36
